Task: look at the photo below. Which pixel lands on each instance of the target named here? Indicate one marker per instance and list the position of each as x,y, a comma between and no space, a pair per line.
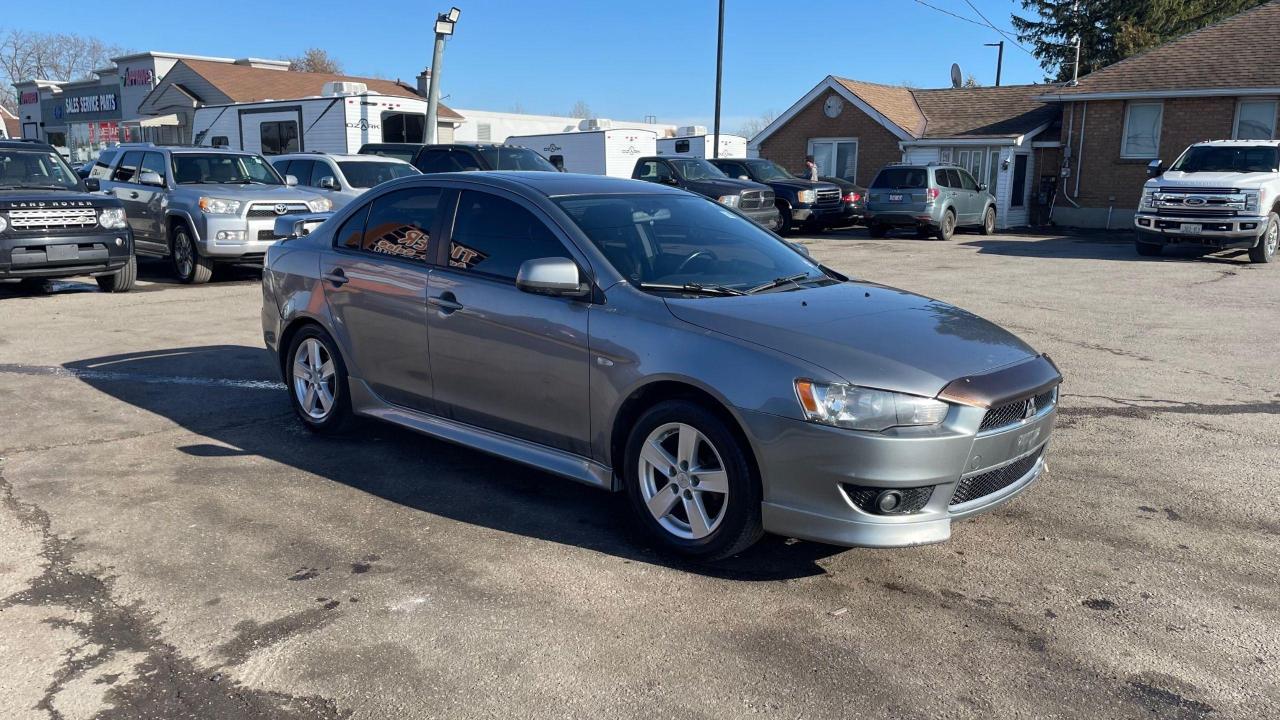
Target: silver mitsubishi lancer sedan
646,340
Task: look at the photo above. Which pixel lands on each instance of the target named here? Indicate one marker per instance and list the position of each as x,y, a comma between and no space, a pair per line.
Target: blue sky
625,59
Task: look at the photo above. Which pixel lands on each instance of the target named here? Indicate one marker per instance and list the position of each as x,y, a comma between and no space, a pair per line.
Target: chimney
424,82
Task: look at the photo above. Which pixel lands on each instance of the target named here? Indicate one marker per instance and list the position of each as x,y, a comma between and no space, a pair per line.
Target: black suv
458,157
801,203
697,175
51,227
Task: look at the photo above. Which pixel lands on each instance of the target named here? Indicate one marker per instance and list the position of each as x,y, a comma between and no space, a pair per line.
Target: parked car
1219,195
201,206
642,339
853,199
697,175
801,203
341,178
457,157
51,227
932,199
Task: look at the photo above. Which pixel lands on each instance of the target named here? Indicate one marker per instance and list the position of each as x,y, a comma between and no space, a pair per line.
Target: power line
991,25
971,21
948,12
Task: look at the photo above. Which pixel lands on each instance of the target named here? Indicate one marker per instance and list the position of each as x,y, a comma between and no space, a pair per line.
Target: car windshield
1222,158
687,244
35,169
367,174
223,169
515,158
901,179
766,170
696,169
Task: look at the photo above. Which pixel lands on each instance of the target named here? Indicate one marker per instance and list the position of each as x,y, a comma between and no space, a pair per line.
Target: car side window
940,176
495,236
102,166
436,161
351,233
400,223
128,167
734,170
464,160
320,169
281,166
154,162
301,169
967,180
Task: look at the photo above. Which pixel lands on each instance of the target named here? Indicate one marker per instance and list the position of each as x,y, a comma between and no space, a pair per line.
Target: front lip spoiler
1031,377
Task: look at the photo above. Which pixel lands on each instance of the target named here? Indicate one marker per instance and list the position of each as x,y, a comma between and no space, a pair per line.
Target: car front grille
756,199
264,210
829,196
1014,412
53,218
977,486
1210,202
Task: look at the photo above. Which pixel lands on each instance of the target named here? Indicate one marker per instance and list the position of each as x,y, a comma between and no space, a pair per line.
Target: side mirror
92,184
743,177
669,181
146,177
328,182
294,226
290,180
982,187
551,276
1155,168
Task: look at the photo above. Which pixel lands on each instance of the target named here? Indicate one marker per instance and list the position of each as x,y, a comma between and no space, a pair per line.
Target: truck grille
1014,412
53,218
756,199
976,486
828,196
1208,202
264,210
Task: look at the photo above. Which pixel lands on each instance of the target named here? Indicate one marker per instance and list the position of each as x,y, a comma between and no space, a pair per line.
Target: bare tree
581,110
316,60
26,55
752,127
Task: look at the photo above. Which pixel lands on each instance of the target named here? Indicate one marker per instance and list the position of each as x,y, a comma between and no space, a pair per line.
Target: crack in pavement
1136,409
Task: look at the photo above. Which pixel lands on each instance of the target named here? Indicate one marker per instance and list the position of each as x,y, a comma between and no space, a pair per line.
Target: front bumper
766,217
1237,231
52,256
817,215
255,236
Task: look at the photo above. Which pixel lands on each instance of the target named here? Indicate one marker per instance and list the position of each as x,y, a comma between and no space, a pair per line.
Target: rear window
515,158
901,179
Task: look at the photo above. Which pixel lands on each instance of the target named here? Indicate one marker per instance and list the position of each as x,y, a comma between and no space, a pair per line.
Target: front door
375,281
503,359
123,185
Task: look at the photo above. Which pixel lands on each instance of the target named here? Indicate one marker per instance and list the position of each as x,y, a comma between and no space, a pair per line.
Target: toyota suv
51,227
201,206
932,199
752,199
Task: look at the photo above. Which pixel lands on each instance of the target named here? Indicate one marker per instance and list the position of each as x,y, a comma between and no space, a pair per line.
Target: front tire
690,482
121,280
947,227
1146,249
189,265
785,225
316,378
989,222
1265,250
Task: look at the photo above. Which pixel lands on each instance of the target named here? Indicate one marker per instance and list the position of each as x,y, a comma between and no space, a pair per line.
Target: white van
594,152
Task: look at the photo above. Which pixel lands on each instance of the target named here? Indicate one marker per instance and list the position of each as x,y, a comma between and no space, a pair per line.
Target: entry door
375,282
503,359
993,171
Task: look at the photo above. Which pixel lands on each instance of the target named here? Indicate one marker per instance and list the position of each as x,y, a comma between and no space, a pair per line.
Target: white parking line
126,377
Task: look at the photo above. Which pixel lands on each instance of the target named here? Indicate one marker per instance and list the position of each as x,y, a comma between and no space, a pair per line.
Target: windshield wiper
693,288
779,282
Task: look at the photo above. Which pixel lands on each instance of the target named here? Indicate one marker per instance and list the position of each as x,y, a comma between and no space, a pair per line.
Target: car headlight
807,196
1251,199
4,224
859,408
1148,199
111,218
219,206
320,205
730,200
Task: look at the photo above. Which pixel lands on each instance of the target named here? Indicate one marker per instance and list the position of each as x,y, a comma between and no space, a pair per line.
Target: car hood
802,185
266,193
868,334
51,198
1211,179
727,185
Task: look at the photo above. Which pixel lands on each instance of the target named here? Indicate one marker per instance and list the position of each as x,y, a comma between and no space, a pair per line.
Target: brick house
854,128
1219,82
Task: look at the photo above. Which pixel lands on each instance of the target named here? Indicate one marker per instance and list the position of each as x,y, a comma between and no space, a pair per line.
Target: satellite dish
956,78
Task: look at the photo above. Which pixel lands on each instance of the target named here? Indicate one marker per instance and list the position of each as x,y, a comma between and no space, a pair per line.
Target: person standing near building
811,168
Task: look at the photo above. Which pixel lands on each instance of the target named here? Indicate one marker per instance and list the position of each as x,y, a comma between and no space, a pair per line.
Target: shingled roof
895,102
995,112
1237,53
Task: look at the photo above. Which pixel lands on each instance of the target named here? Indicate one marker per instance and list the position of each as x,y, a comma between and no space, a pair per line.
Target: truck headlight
1251,200
730,200
320,205
859,408
219,206
4,224
111,218
1148,200
807,196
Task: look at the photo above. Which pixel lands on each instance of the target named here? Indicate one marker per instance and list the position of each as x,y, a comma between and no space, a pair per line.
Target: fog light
119,242
888,501
1144,222
1248,226
230,235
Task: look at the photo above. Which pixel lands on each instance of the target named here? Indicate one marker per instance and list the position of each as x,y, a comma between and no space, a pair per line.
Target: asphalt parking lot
173,544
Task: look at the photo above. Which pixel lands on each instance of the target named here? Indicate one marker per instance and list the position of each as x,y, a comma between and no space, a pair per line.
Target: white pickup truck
1220,194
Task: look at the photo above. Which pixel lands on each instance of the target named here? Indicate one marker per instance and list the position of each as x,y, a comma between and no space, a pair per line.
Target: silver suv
341,178
199,206
933,199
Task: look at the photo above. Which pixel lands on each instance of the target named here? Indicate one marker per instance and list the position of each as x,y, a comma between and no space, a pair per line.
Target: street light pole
999,58
715,148
444,28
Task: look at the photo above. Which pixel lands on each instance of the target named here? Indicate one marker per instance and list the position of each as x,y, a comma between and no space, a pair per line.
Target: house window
279,137
835,157
1255,120
1142,130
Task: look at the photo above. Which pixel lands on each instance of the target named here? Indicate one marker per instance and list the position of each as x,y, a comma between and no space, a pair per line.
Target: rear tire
189,265
877,230
988,222
314,371
121,280
699,451
1265,250
947,227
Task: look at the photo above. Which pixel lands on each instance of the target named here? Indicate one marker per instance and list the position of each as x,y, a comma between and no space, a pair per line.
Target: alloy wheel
315,380
182,252
1273,238
683,481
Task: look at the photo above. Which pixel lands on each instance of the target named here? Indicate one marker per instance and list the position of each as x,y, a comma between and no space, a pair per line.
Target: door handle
447,303
337,277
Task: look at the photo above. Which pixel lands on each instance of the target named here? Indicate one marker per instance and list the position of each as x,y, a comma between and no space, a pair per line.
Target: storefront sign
29,98
140,76
105,102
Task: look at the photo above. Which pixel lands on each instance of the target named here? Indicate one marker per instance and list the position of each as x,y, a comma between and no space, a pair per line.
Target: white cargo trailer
594,152
693,141
347,116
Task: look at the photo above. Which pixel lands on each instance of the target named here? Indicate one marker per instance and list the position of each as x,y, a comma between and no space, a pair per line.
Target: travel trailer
594,152
693,141
341,120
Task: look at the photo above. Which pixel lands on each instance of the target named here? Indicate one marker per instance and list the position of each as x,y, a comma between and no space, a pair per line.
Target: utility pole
715,149
444,28
999,58
1075,74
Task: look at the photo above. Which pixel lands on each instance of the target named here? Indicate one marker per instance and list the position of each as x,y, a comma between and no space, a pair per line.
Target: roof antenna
1075,74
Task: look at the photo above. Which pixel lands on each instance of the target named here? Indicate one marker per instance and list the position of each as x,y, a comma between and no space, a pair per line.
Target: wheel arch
287,334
